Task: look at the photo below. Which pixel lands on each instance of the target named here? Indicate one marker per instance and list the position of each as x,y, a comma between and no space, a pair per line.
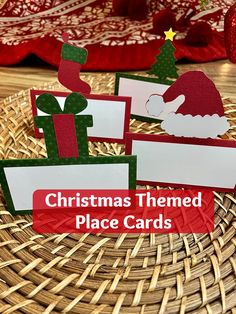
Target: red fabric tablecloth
114,43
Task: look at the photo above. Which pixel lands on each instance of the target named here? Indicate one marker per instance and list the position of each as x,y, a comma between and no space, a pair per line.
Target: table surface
16,78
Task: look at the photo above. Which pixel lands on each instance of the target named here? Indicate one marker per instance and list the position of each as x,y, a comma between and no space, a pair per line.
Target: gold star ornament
170,34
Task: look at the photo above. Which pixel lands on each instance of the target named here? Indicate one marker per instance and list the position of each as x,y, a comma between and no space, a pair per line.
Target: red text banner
121,211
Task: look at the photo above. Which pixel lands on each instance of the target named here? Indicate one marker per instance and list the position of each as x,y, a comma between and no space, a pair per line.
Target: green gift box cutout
64,130
74,104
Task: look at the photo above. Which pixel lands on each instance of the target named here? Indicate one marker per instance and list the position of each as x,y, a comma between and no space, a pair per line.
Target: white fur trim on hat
157,108
197,126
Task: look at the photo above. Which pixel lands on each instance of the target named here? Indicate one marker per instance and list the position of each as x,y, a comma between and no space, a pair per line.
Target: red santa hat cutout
200,115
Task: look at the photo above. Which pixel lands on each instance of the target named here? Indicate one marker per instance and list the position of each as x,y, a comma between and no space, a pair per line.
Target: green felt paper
81,125
165,67
46,123
75,103
76,54
48,104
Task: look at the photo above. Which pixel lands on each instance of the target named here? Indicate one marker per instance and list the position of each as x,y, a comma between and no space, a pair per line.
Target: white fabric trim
198,126
157,108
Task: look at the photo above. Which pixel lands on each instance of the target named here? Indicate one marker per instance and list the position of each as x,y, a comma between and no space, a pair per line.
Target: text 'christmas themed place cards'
184,162
85,173
123,211
111,115
146,93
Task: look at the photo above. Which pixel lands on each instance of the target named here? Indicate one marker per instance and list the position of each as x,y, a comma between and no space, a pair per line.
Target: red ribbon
65,132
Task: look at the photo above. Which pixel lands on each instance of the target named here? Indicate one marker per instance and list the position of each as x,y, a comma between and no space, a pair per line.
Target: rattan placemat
123,273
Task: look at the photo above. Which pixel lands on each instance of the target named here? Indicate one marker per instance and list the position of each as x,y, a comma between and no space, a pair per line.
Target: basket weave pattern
145,273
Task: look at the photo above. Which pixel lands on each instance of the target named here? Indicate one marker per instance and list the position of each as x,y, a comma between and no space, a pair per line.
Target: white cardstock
108,117
74,177
140,91
185,164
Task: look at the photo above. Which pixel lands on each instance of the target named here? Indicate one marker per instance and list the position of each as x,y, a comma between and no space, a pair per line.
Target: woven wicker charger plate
110,274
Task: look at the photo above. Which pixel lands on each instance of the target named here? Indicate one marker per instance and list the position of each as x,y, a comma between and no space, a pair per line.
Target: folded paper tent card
84,173
184,162
141,88
191,112
111,115
190,107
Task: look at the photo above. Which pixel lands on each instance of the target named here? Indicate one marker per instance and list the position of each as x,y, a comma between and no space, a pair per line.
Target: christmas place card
84,173
192,156
111,115
187,163
148,93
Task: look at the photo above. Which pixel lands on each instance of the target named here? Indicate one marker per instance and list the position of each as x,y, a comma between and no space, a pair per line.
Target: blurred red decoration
120,7
162,21
28,28
199,34
230,33
135,9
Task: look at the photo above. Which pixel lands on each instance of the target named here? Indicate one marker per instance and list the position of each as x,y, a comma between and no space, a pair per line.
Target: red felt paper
69,77
65,131
201,95
113,43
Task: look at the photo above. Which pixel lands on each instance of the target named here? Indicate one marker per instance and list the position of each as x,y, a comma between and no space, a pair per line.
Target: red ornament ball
230,33
163,21
199,34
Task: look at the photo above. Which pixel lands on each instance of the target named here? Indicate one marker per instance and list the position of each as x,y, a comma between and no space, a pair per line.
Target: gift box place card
111,115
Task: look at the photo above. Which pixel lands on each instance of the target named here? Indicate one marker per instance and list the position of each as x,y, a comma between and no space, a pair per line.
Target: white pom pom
155,105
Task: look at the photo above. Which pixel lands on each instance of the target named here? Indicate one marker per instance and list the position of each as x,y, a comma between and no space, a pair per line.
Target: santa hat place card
190,107
191,155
